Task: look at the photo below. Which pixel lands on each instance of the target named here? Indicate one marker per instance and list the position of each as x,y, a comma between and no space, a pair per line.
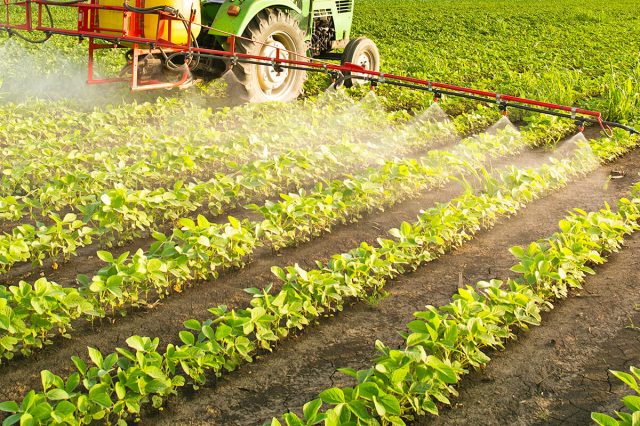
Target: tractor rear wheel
272,29
364,52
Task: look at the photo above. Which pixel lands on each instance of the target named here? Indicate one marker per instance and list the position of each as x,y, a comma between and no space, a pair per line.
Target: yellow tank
113,19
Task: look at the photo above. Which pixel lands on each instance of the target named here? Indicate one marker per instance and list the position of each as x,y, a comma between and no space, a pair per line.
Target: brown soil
304,365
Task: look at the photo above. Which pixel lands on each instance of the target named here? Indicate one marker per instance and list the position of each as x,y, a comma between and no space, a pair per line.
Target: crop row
118,384
443,343
55,179
200,250
122,214
36,126
65,127
70,192
155,155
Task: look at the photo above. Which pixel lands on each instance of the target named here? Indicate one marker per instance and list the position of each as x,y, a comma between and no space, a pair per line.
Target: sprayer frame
132,33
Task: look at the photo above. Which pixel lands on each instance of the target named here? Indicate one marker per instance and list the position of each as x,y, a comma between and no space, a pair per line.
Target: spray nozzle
581,125
437,96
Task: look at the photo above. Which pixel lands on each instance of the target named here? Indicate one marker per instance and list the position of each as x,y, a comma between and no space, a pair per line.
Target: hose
176,13
63,3
172,66
47,34
153,9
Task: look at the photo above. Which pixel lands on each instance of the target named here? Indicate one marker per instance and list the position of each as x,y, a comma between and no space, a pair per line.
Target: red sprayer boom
35,16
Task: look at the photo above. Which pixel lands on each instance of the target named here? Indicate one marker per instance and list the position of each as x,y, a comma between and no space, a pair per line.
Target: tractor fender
224,24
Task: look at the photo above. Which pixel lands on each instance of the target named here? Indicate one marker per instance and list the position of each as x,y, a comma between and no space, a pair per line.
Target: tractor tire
259,83
364,52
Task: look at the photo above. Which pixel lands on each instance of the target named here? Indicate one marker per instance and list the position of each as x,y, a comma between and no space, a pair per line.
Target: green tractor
304,28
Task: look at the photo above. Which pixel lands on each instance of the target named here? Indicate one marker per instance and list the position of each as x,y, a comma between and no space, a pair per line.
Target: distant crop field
583,52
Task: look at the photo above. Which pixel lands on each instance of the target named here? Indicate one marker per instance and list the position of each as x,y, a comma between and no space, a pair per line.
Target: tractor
288,29
297,28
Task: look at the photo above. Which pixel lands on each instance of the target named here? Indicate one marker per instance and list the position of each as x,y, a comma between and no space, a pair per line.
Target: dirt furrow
303,366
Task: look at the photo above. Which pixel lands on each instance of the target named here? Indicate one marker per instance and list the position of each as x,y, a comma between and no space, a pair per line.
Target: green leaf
379,407
234,222
405,228
187,337
114,283
604,420
57,394
368,390
222,331
47,378
208,332
292,419
627,379
72,382
154,265
136,343
310,409
187,223
203,222
80,364
517,251
204,241
121,392
333,416
632,402
83,280
398,375
348,371
332,396
105,256
98,394
106,200
96,356
391,404
360,410
65,409
192,325
279,272
565,226
9,406
11,420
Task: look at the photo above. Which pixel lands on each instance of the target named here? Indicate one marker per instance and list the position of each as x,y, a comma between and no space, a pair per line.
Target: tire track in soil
304,365
165,320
